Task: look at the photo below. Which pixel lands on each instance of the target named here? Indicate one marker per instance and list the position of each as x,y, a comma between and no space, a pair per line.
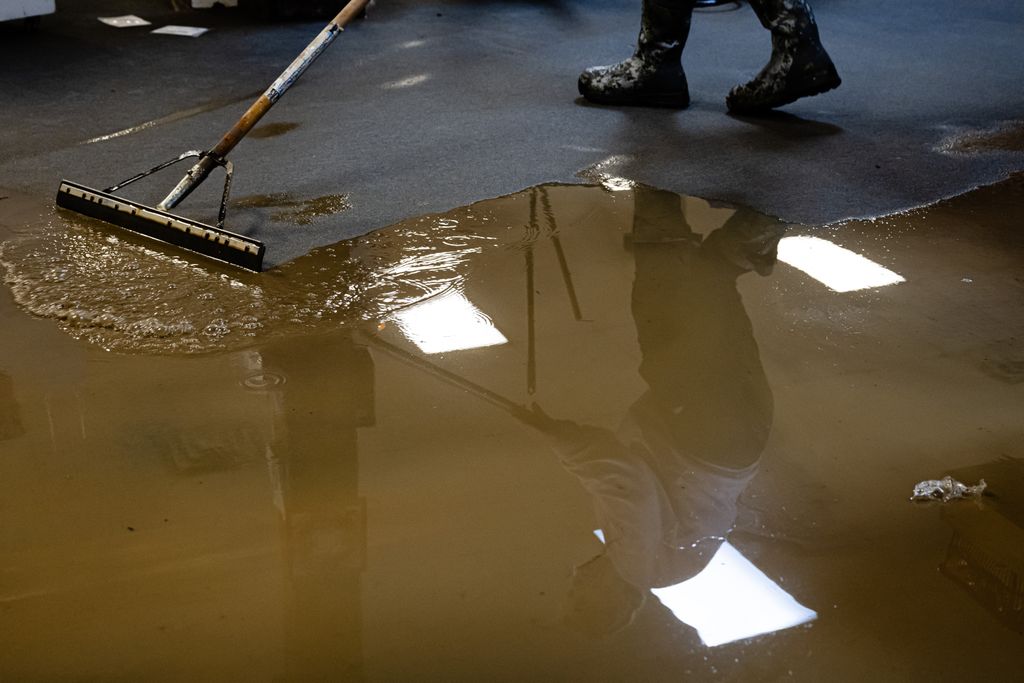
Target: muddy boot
799,66
653,76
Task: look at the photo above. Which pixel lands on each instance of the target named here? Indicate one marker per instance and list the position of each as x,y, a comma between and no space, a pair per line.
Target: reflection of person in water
665,486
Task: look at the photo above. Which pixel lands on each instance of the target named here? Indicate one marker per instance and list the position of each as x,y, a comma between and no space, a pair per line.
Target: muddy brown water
387,459
1006,137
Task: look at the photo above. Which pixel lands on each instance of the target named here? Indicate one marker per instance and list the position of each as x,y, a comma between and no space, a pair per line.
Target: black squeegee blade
197,237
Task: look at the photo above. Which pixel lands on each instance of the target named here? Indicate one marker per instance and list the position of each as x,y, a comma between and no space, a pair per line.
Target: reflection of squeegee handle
261,106
516,410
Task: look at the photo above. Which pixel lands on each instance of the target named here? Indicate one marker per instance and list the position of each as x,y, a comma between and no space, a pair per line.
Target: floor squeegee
157,222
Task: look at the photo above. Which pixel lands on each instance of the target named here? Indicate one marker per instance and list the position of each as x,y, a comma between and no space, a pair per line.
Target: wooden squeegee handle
262,105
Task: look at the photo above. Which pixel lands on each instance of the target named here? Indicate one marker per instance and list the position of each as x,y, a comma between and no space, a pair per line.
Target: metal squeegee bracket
207,240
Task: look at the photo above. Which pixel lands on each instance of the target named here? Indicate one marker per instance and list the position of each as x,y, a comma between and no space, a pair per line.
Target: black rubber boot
653,76
799,66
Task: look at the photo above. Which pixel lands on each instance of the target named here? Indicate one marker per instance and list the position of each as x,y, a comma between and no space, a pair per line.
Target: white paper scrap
187,31
126,21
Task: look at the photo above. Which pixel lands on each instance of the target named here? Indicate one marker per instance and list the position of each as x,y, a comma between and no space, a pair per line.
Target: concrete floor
207,474
491,108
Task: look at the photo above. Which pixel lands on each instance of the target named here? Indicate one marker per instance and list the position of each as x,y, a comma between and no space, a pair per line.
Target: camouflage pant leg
784,17
664,22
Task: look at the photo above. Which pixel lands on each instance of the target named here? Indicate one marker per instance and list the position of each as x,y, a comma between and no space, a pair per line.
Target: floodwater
393,459
1005,137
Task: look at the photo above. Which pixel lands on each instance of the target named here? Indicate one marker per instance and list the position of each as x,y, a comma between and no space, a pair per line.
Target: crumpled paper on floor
186,31
946,489
126,21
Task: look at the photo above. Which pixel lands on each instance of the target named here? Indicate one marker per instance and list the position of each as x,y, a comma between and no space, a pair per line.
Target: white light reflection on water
617,184
730,599
837,268
448,322
603,172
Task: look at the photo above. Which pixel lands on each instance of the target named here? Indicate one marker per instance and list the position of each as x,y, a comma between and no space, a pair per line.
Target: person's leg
653,76
799,66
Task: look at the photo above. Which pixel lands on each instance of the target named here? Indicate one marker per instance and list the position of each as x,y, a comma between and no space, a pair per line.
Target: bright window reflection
731,599
447,322
837,268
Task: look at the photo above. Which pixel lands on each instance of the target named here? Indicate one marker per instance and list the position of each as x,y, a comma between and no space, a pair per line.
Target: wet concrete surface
290,209
388,459
427,106
272,130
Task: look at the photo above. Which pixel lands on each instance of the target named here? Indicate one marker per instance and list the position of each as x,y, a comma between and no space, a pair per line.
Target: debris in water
946,489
